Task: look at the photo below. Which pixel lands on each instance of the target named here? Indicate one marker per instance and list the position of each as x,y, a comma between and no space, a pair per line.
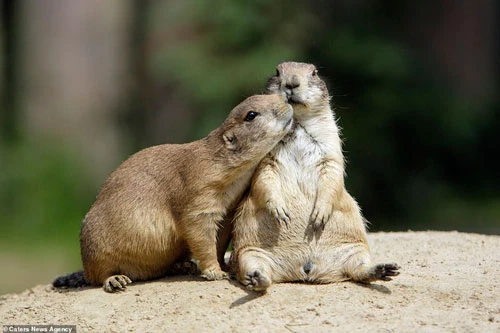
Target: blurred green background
84,84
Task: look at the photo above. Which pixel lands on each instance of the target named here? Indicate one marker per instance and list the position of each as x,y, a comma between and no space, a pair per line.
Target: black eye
315,72
277,72
251,116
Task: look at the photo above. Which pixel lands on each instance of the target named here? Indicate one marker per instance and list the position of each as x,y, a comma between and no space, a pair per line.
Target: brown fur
298,222
166,201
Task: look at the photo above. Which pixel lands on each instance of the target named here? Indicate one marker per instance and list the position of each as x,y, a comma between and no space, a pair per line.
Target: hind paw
256,281
116,283
385,272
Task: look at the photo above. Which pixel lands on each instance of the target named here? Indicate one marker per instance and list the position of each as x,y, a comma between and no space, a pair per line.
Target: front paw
279,212
212,274
116,283
320,216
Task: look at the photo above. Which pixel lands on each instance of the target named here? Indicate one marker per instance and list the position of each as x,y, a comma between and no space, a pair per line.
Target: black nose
308,266
293,82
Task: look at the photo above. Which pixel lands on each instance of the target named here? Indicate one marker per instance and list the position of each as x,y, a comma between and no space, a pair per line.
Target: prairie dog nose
292,82
308,267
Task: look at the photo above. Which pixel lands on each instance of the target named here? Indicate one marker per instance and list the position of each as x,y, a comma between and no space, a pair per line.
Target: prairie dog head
301,85
255,126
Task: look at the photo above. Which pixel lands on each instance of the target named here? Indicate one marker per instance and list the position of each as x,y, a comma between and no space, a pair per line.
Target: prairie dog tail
73,280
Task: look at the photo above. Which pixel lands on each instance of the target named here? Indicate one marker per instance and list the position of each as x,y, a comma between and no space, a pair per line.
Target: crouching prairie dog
298,222
169,201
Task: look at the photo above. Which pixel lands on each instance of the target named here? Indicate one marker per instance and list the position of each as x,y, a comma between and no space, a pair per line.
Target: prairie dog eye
251,116
315,72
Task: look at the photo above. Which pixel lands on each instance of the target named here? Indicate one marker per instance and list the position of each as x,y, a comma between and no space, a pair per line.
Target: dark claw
282,221
287,220
313,218
384,271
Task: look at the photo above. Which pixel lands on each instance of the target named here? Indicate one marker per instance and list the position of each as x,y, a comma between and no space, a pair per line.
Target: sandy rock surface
450,282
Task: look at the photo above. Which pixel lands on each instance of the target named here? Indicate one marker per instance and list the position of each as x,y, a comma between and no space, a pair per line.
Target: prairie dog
168,201
298,222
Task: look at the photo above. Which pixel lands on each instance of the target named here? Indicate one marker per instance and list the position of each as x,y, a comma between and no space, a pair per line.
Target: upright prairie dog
298,222
168,201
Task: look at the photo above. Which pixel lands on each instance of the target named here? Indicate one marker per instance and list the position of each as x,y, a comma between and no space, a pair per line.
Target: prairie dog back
169,201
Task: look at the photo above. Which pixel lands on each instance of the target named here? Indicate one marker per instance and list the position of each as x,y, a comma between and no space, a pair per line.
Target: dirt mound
449,282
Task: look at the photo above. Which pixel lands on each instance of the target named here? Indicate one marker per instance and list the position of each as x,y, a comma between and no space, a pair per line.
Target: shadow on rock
251,295
377,287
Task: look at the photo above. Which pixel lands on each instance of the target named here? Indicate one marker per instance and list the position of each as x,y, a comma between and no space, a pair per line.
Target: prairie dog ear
230,141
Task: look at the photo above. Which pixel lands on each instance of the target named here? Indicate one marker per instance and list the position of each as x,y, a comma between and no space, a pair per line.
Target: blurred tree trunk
73,70
4,6
161,112
166,111
7,78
